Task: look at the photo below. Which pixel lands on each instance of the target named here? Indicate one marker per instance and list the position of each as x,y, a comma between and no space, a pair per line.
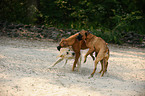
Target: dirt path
24,71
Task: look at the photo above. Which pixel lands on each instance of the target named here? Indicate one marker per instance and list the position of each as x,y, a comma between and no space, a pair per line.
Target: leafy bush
112,17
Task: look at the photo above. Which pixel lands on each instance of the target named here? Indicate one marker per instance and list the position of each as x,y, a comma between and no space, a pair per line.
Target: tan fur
98,45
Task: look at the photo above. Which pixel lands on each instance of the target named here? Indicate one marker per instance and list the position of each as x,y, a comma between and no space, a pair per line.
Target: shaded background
116,21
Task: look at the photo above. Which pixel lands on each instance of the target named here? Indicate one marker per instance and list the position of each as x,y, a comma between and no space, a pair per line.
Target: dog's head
66,53
83,35
63,43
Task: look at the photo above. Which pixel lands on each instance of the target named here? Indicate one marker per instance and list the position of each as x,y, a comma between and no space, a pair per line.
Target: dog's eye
69,50
67,53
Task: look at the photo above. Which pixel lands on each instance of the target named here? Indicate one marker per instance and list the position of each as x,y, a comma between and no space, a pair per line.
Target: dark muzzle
58,48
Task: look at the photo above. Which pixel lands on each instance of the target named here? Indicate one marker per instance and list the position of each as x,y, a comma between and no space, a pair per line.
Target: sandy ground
24,71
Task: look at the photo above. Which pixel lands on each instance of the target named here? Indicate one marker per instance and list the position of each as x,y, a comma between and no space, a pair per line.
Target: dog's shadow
84,71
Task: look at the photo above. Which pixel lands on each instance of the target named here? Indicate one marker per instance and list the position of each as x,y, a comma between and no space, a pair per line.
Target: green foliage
108,35
19,11
112,17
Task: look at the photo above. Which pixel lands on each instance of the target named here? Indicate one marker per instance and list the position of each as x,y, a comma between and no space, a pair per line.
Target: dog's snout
58,48
73,54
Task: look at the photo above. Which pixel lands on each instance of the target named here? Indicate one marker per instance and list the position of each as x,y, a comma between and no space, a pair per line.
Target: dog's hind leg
104,63
104,67
101,66
98,58
59,60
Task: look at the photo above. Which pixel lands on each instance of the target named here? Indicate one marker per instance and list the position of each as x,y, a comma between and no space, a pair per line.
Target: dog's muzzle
58,48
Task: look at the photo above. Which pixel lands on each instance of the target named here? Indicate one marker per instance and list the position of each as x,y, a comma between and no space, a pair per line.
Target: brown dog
76,46
98,45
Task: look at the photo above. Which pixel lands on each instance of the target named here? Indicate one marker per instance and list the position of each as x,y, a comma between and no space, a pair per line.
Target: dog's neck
71,40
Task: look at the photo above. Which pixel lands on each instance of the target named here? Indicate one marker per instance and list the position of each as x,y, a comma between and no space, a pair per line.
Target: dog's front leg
79,64
76,60
65,62
59,60
89,52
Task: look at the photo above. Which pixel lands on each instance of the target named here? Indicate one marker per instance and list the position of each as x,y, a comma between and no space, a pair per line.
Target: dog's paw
90,77
50,67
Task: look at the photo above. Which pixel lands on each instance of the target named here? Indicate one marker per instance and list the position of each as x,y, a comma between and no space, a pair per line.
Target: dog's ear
87,33
79,37
58,48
